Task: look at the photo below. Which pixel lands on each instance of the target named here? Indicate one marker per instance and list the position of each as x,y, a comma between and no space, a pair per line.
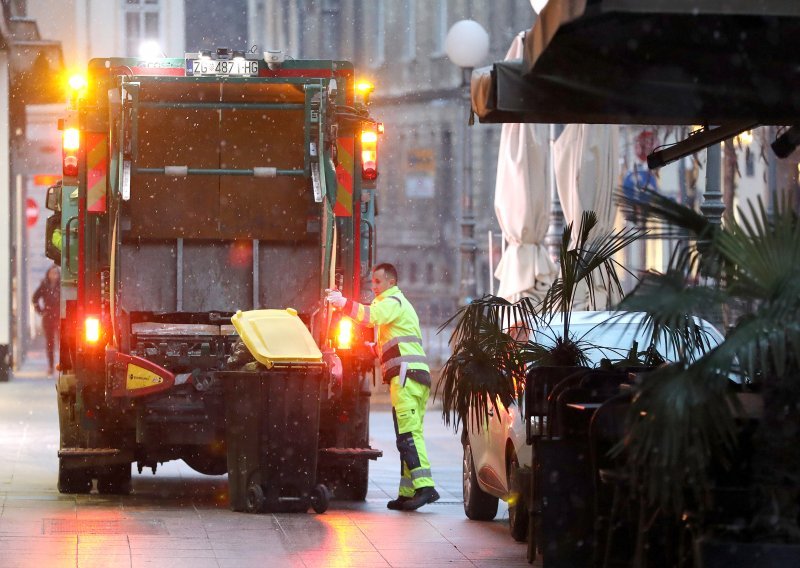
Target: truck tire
73,480
478,505
115,480
70,480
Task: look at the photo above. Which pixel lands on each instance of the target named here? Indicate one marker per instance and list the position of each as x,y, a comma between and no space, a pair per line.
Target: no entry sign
31,212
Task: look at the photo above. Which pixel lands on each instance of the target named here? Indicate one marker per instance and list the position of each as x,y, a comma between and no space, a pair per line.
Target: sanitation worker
405,369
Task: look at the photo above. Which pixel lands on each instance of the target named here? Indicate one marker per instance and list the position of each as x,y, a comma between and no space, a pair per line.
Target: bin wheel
255,499
320,498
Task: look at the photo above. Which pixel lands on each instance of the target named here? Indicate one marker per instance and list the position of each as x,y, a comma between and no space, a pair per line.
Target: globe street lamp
467,45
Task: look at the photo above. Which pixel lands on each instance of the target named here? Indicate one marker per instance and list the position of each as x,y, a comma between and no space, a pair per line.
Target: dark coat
46,301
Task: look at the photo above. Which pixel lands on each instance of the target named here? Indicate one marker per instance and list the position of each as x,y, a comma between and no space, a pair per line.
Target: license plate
235,67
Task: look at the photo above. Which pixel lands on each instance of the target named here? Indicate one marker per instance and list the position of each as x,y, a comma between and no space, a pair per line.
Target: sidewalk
34,365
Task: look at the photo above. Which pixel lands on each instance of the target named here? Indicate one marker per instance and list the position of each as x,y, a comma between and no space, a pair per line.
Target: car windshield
613,341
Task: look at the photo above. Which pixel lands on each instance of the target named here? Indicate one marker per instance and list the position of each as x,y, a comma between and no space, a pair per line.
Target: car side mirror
53,199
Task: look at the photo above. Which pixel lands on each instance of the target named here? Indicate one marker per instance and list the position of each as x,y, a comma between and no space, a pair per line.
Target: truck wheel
320,499
73,480
517,507
115,480
478,505
352,481
255,499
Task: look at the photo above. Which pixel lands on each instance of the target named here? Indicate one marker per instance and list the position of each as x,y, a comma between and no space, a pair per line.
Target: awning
650,62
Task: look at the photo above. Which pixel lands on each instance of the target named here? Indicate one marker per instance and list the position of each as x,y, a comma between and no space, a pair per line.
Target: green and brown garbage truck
196,189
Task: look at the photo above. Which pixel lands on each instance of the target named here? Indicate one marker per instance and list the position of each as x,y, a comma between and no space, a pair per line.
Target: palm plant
491,342
683,416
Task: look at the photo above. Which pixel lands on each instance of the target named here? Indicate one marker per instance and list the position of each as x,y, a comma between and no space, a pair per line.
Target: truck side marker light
92,329
77,83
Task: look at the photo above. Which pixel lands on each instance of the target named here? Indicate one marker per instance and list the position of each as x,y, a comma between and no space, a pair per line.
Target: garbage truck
194,189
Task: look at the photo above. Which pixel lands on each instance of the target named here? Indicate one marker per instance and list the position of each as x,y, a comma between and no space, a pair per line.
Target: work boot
422,496
397,504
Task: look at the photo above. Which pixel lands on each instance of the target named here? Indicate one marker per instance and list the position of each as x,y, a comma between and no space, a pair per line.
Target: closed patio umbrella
522,206
586,161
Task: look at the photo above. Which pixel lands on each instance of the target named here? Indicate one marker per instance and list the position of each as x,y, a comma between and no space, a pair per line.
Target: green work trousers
408,409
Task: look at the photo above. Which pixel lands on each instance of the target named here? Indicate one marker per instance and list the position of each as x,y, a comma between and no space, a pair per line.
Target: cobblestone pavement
179,518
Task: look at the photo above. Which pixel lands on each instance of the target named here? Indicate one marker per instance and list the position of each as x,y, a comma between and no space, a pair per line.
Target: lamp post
467,45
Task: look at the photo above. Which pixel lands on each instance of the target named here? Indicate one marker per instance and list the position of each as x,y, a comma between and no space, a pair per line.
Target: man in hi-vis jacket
404,367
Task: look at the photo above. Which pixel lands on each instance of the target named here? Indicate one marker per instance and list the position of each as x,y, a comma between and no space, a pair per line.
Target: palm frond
681,418
590,261
487,358
670,218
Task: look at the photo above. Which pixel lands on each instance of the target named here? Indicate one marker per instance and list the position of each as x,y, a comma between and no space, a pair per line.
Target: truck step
87,452
366,453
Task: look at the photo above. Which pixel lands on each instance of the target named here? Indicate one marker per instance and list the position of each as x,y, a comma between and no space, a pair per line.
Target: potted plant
490,341
495,342
684,417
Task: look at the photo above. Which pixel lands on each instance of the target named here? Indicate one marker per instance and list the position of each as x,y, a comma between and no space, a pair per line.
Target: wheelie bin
272,416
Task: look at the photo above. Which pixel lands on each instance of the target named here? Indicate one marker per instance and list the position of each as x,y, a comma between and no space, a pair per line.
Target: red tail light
71,142
369,152
92,330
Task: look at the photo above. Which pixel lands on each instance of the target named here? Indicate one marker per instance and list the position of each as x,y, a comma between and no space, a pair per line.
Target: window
440,28
331,27
358,37
141,24
378,25
412,273
410,32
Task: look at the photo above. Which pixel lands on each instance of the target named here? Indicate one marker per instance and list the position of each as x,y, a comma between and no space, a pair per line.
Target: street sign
31,212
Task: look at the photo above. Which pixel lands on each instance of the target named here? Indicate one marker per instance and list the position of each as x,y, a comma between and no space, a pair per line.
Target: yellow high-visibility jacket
399,335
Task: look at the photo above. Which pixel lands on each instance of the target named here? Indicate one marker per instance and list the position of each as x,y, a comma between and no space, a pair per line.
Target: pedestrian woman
46,302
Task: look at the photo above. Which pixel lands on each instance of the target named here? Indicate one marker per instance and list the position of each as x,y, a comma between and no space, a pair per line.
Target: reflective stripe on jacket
399,335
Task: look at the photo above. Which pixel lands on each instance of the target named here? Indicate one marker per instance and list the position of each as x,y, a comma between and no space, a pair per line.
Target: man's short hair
388,269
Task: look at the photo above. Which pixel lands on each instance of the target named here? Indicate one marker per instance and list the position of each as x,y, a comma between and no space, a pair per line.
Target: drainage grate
89,526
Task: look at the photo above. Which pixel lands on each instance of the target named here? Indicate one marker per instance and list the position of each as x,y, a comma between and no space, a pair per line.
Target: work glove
335,298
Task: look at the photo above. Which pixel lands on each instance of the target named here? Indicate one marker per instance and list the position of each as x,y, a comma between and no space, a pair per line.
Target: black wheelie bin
272,414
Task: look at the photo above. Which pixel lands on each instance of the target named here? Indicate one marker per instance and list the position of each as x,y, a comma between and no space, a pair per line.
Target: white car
493,454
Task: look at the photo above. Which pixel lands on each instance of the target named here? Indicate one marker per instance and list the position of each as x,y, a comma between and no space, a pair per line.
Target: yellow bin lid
276,336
